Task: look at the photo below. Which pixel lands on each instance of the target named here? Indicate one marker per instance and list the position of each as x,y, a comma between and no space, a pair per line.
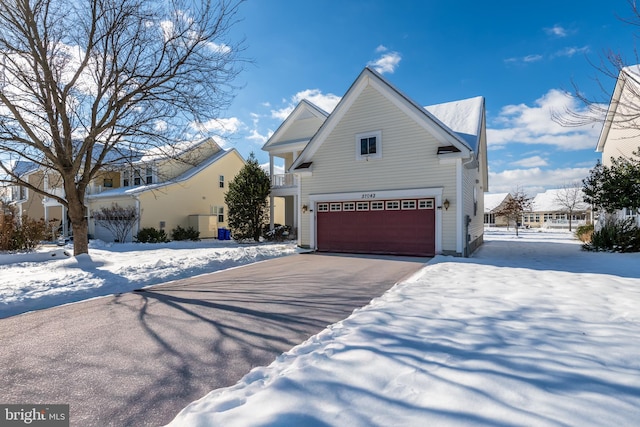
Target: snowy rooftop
549,201
464,117
492,201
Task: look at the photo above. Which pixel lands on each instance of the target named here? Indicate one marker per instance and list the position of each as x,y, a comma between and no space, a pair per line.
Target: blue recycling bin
221,234
227,234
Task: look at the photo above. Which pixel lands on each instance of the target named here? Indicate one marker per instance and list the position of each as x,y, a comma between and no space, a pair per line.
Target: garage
398,226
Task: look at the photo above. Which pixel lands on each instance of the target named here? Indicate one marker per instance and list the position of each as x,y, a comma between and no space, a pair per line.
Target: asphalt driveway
137,359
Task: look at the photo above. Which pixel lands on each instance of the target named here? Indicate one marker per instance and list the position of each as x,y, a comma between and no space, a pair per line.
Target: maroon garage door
403,227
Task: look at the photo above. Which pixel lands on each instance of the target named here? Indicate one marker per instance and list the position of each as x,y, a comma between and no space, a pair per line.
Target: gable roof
128,191
426,119
627,76
492,201
305,109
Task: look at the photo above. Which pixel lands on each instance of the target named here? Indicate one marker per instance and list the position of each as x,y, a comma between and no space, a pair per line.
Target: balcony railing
284,180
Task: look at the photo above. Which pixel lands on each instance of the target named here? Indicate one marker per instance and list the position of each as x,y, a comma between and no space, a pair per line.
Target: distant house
382,174
183,187
548,212
620,136
494,203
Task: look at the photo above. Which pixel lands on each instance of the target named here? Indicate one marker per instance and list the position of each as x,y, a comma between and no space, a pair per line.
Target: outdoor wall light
446,204
305,208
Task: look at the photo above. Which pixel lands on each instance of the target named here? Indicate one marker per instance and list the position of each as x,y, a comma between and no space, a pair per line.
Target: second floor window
137,177
221,181
149,176
126,179
368,145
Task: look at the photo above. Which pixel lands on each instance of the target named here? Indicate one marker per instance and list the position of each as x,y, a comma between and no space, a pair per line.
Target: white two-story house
382,174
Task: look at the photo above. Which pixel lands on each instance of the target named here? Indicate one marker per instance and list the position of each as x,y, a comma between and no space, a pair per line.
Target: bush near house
180,233
25,235
616,236
151,235
584,233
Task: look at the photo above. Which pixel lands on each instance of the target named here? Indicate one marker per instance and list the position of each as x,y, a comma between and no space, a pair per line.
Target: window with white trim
221,181
323,207
408,204
335,207
377,206
425,204
369,145
362,206
220,213
149,175
349,206
393,205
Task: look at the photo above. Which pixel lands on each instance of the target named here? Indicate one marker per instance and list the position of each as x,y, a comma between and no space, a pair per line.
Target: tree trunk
80,237
76,211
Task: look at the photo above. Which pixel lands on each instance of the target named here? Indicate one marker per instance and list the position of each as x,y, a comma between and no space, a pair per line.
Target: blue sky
521,56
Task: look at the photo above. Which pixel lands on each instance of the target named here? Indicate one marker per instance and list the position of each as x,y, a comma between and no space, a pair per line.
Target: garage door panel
406,232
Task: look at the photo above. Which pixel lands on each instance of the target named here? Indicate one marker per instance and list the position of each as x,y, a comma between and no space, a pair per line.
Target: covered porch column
271,207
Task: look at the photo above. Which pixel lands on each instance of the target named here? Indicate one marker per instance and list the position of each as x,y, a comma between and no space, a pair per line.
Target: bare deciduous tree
612,68
87,84
119,220
570,197
513,208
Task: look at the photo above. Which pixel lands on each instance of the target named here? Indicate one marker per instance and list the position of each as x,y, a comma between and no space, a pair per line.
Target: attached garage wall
409,161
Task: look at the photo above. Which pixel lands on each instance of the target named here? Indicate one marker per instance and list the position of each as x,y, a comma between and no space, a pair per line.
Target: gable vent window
369,146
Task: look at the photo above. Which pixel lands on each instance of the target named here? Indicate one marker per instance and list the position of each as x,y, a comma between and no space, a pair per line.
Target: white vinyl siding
409,160
302,129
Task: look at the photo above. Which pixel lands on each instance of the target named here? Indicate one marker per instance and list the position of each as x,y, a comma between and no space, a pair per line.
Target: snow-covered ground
52,277
529,331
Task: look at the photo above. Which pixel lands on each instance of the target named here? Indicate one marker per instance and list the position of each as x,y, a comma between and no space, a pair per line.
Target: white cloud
530,162
532,58
570,51
534,180
387,63
327,102
221,126
524,59
556,31
534,124
258,138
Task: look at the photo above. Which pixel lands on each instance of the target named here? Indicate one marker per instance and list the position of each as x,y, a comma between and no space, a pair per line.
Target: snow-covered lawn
530,331
51,277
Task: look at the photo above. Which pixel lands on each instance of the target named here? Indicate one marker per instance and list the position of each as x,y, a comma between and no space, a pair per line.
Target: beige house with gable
186,190
381,174
184,187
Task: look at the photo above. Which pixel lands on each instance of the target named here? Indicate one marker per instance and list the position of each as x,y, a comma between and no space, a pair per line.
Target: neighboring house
494,203
620,136
34,205
184,186
184,189
381,174
547,212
